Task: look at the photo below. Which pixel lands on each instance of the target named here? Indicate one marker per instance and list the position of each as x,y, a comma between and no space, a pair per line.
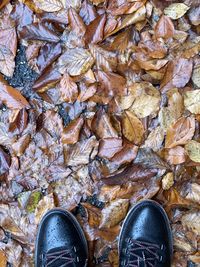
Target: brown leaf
174,155
70,133
20,146
191,220
111,84
11,96
108,147
132,173
104,59
76,23
3,3
164,28
132,127
75,61
68,89
178,74
81,152
39,31
5,161
180,132
49,5
121,40
20,121
114,213
150,159
155,139
88,12
95,30
94,214
8,46
125,155
3,260
45,204
102,126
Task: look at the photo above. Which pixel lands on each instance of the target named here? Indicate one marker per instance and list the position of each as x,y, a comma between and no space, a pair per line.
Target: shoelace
146,248
63,254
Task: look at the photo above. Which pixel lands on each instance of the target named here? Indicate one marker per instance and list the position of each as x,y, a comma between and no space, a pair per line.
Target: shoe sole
73,220
143,203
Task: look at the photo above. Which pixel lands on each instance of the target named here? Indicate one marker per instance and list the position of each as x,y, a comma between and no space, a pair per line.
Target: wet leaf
125,155
191,101
180,132
133,128
114,213
150,159
164,28
11,96
108,147
176,10
49,5
178,74
75,61
193,150
71,133
133,173
68,89
95,30
104,59
39,31
87,12
5,161
81,152
193,192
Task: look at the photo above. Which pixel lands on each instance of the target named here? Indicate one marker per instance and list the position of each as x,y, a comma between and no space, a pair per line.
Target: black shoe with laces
146,238
60,241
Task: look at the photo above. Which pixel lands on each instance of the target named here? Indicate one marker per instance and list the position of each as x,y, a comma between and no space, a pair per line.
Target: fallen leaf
88,12
76,23
95,30
11,96
193,192
104,59
5,161
108,147
176,10
102,126
81,152
44,205
193,150
39,31
70,134
49,5
93,213
168,181
174,155
178,74
180,132
132,173
132,127
164,28
68,89
150,159
3,260
193,15
192,101
196,75
114,213
191,220
75,61
155,139
125,155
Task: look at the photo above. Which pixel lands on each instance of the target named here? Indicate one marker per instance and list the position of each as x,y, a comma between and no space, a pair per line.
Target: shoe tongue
57,257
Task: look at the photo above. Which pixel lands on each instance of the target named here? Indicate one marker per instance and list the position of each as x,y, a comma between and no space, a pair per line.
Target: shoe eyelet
125,250
77,259
160,258
162,247
74,249
124,263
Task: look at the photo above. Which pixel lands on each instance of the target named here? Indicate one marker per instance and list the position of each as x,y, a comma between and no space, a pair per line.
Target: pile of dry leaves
99,108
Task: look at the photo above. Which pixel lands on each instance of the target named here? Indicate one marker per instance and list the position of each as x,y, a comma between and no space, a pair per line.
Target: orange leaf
164,28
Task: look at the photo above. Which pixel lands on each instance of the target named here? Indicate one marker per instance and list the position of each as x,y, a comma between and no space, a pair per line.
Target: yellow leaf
176,10
133,128
196,75
192,101
168,181
43,206
3,260
193,150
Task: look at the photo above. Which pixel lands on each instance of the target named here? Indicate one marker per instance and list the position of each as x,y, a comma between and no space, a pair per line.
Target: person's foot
60,241
146,238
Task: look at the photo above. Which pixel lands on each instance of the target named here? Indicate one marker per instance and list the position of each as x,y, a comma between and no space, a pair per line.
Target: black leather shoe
60,241
146,238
